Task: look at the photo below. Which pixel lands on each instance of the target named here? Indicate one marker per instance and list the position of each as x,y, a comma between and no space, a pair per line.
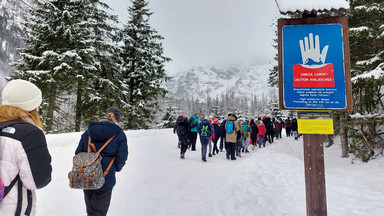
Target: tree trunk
78,106
51,109
343,137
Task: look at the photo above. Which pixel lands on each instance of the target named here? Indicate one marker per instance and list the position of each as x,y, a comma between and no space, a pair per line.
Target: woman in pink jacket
25,163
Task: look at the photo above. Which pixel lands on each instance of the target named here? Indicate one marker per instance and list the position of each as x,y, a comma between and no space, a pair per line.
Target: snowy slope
215,80
268,181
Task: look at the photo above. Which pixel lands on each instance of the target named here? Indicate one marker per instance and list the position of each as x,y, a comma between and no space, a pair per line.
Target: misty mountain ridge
198,82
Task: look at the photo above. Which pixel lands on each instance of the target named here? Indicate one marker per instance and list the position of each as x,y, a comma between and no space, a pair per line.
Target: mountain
12,15
243,80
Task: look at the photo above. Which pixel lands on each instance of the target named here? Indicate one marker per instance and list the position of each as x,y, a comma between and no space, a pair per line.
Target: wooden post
314,175
343,136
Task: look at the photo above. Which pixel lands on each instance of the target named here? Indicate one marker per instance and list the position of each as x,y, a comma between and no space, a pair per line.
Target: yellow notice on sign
315,122
315,126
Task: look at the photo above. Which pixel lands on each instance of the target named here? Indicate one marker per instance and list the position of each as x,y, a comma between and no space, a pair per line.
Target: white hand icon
312,51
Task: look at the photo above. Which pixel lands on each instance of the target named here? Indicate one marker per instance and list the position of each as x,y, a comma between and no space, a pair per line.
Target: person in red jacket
277,128
261,134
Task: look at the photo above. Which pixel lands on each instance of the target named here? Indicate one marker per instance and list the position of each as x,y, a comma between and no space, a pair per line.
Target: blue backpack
230,127
245,127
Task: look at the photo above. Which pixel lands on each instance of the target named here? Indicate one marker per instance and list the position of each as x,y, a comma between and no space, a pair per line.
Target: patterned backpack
87,173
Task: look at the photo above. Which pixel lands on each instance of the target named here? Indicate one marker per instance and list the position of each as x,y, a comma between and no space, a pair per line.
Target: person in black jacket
179,119
253,131
116,152
222,136
183,130
25,162
270,131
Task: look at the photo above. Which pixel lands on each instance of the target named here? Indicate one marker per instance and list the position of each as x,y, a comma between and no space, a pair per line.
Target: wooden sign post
314,74
314,175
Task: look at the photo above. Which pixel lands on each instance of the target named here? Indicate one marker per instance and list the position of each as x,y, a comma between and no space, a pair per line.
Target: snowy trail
267,181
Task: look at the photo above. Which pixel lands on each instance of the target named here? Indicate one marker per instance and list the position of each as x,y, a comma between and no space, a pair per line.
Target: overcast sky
211,32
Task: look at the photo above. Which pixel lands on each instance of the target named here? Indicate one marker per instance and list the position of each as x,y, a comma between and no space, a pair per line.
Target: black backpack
182,127
192,123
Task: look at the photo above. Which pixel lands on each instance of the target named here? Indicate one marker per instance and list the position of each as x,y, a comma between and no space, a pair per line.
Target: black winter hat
115,112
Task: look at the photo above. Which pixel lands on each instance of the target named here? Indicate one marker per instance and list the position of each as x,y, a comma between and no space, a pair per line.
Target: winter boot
182,156
209,155
204,160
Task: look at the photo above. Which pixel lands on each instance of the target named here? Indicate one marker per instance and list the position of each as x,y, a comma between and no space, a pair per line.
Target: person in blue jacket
205,130
97,201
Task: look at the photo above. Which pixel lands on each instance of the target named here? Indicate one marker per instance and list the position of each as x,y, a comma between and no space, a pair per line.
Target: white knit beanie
22,94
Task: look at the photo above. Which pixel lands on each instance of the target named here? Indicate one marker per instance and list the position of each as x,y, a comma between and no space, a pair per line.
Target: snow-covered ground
267,181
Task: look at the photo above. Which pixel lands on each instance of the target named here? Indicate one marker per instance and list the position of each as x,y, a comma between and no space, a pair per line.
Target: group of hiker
230,134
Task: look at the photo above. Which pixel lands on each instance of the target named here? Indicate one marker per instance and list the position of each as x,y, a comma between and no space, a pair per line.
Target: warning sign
313,77
319,122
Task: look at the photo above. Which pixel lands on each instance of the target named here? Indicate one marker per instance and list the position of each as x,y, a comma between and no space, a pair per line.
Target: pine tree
366,21
68,55
142,66
58,54
169,117
273,78
107,86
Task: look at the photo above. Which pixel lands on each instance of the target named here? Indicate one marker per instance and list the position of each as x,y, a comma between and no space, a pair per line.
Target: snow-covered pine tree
70,54
169,117
107,86
216,107
273,78
366,36
142,66
59,56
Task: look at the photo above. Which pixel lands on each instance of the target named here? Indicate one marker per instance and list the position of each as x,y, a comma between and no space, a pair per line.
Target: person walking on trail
217,132
183,131
179,119
277,125
287,125
114,155
194,123
245,126
25,162
205,130
261,135
223,144
294,128
232,129
239,141
282,126
270,131
211,138
253,130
